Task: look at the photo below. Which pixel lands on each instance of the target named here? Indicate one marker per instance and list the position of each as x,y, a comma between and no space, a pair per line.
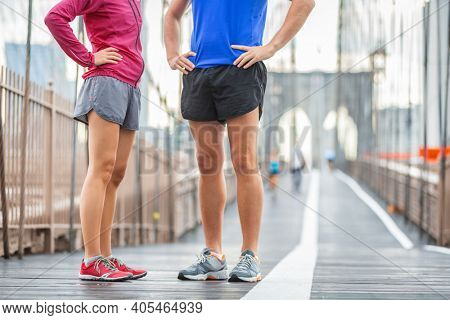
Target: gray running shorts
112,99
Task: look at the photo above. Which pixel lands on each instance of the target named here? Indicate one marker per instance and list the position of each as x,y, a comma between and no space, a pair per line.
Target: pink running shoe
102,270
120,265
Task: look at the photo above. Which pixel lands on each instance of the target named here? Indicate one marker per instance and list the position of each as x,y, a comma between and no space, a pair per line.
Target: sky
316,41
318,38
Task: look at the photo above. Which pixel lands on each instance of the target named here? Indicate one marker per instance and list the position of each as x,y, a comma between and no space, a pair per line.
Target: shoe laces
106,263
245,262
201,258
118,261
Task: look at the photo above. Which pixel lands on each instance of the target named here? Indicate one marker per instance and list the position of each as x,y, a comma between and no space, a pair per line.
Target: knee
117,175
103,170
210,162
245,164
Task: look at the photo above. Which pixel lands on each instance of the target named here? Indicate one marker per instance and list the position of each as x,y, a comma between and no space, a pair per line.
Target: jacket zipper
138,37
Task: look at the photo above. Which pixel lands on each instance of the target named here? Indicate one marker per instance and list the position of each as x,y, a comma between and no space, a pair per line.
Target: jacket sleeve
57,21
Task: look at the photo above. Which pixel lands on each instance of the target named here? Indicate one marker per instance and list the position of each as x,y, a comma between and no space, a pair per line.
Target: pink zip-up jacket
109,23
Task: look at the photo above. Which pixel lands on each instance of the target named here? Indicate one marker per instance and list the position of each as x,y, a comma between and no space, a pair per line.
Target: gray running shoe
248,268
207,266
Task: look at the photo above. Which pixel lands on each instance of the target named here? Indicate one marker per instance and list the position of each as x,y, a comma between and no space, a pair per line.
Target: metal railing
413,191
153,205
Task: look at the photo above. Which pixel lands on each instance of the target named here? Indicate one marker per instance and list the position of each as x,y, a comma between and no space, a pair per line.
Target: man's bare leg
243,133
208,138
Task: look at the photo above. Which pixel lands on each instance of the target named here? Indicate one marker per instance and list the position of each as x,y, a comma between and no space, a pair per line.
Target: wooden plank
5,216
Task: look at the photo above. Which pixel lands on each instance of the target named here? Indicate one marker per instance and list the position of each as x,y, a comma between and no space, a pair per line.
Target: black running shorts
223,92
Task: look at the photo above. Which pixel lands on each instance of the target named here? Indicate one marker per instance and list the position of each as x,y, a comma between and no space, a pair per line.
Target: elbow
304,6
50,19
310,4
170,16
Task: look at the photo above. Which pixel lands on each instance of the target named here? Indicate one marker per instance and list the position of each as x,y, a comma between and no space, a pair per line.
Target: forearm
172,35
63,34
58,22
295,19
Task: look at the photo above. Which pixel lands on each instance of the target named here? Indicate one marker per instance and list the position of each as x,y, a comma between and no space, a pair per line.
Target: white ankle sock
88,261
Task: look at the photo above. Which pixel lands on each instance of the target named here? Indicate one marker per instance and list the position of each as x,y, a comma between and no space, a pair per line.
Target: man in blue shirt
224,81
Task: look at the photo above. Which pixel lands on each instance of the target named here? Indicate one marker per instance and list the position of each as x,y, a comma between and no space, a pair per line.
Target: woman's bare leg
126,140
103,142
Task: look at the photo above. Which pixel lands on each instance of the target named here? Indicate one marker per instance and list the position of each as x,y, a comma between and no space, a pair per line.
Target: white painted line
437,249
398,234
291,278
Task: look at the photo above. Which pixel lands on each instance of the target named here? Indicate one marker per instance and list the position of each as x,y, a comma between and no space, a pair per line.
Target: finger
115,54
245,60
242,56
242,48
252,62
114,58
189,54
110,61
189,65
183,65
182,70
110,49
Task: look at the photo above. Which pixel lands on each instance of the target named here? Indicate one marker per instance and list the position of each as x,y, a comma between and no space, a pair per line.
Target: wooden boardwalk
370,264
55,276
357,258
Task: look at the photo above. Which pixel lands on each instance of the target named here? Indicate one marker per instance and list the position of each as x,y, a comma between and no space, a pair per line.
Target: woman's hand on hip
108,55
182,63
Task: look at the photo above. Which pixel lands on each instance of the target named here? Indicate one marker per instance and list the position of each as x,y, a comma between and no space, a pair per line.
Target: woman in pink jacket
109,103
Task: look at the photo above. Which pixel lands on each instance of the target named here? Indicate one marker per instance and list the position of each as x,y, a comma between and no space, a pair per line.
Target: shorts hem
244,111
204,120
82,117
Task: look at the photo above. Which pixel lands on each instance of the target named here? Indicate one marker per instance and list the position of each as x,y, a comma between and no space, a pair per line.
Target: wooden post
49,241
4,207
24,124
444,236
444,209
171,207
137,154
73,169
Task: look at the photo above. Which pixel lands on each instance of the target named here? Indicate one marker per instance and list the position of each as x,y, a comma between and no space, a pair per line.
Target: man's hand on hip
182,63
252,55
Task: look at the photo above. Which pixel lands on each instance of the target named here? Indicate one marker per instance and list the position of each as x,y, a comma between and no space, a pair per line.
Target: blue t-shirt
218,24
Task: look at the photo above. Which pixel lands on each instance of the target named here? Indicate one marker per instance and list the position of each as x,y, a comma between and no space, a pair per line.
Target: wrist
171,56
91,60
273,48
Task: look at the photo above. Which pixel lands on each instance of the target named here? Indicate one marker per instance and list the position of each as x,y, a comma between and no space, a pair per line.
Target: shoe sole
216,275
139,276
235,278
94,278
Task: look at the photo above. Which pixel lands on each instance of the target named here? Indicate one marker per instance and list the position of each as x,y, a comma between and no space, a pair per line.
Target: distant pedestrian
298,164
330,157
274,170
